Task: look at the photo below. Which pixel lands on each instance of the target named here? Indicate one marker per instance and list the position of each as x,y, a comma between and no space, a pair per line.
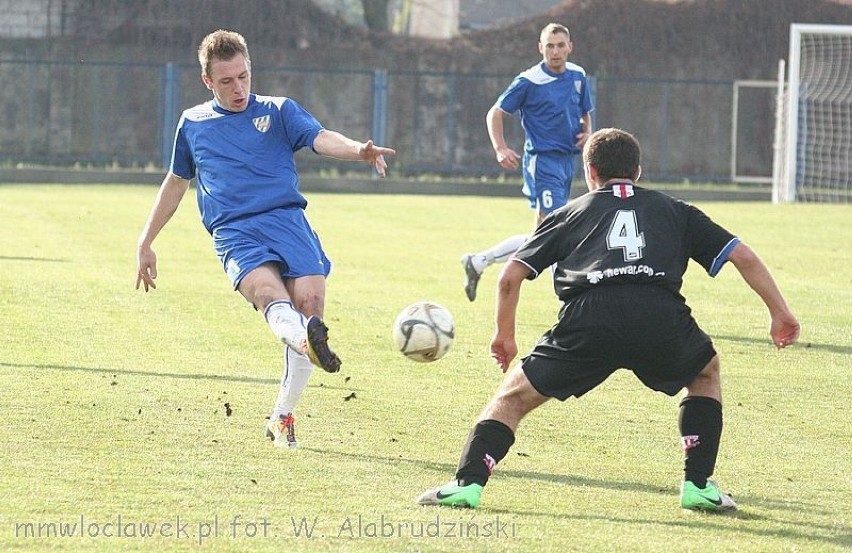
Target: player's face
555,49
230,82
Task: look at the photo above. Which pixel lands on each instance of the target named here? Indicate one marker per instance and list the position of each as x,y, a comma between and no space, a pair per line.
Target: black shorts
643,328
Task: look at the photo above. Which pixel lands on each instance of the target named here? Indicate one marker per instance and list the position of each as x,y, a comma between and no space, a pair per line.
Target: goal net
814,154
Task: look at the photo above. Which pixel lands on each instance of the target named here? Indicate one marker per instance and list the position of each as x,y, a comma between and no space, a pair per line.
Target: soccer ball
424,331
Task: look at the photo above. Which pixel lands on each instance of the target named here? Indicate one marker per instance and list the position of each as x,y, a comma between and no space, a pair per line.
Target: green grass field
122,410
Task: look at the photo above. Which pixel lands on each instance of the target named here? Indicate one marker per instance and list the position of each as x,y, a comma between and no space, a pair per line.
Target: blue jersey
244,161
551,107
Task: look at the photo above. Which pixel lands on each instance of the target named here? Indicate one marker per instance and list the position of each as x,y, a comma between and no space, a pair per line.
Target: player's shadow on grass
21,258
822,535
450,469
810,533
636,486
160,374
833,348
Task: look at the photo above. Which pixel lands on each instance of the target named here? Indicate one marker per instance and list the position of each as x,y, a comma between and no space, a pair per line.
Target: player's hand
581,139
146,268
375,156
507,158
503,350
784,329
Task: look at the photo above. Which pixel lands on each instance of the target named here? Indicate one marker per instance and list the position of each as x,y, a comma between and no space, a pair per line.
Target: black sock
700,424
487,444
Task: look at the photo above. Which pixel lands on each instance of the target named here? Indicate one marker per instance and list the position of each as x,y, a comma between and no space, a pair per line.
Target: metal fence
122,114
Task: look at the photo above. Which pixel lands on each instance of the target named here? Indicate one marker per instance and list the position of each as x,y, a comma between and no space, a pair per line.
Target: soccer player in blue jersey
554,103
620,253
240,148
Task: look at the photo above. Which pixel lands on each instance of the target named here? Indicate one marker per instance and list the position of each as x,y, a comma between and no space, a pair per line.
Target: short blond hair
552,28
221,45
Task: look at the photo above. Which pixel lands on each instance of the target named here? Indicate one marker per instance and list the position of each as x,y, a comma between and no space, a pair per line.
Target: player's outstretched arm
784,328
166,203
504,348
333,144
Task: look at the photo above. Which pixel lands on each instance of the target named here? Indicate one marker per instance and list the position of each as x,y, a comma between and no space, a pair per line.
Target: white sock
499,253
297,372
287,324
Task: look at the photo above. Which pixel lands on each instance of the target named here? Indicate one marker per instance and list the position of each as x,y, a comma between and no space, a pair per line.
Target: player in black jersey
620,253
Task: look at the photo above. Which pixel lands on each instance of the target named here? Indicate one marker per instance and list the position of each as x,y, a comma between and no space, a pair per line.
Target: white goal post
815,123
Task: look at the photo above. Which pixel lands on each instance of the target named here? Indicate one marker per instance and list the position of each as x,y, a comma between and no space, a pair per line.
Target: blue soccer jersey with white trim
244,161
551,106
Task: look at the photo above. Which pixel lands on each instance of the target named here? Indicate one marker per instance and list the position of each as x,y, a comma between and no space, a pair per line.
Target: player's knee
257,300
517,398
310,304
712,370
708,382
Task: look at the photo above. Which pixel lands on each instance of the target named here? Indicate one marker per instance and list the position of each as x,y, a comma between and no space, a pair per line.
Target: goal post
816,157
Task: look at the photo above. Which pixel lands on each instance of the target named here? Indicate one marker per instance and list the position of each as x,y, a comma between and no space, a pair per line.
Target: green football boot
452,494
709,498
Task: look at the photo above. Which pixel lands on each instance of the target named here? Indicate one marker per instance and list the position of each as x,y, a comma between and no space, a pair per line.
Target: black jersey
624,234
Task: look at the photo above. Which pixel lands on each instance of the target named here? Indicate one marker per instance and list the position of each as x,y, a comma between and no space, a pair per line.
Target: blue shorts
283,236
547,179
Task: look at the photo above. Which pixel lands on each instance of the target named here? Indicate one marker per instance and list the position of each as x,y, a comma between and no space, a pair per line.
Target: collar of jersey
549,72
223,111
610,184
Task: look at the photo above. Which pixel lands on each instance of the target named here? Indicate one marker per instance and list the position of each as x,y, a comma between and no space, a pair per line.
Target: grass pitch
134,421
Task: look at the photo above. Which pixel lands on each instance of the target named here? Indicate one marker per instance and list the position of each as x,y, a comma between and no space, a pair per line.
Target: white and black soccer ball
424,331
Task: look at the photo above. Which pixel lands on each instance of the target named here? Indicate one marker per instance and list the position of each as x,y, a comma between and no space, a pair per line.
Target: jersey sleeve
546,246
710,243
513,97
182,165
300,125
